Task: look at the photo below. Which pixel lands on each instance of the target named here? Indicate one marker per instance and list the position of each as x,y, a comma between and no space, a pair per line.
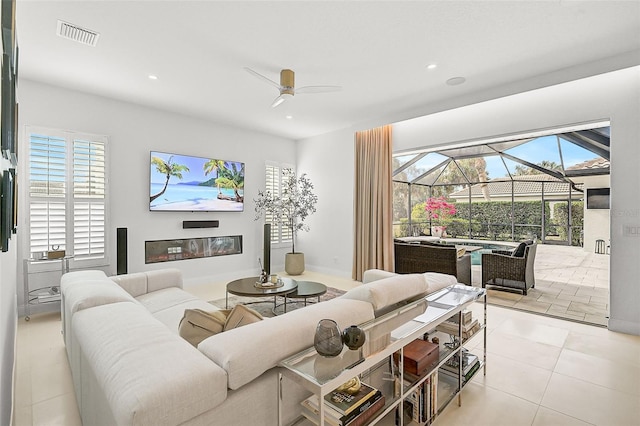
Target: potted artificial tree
289,209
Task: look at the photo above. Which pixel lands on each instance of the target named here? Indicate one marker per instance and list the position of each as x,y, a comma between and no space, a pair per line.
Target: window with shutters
274,174
67,195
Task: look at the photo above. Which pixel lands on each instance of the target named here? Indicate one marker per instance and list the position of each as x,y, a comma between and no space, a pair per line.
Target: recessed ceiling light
153,77
455,81
288,117
432,66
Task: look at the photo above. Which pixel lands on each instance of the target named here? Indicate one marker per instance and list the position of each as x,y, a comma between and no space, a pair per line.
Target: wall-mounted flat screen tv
598,198
185,183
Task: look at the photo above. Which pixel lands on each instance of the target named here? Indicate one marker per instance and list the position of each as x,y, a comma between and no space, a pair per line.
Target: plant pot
294,263
437,231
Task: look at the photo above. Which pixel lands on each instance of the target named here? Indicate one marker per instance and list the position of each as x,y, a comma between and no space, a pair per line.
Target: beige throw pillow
241,315
196,324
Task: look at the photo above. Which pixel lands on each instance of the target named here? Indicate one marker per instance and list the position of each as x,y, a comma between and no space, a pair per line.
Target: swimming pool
487,246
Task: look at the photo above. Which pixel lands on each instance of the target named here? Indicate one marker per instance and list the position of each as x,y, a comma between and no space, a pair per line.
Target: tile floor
540,371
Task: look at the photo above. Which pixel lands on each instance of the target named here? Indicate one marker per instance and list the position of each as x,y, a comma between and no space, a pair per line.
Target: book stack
469,325
343,409
470,364
420,406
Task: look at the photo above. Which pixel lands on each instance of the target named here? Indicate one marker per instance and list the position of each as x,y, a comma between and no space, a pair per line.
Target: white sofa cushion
437,281
73,278
135,284
140,283
247,352
389,291
162,299
148,375
94,293
371,275
163,278
171,316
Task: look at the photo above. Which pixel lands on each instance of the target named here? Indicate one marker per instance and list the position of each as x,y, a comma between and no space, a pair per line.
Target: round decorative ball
353,337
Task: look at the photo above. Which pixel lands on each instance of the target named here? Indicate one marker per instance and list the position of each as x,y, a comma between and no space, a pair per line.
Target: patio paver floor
571,283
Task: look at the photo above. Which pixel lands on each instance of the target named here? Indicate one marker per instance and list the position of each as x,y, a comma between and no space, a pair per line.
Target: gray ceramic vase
353,337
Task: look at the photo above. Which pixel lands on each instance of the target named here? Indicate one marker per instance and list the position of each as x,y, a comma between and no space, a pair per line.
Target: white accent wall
611,96
133,132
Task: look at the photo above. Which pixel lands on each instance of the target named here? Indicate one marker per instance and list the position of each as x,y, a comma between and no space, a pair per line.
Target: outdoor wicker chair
419,258
509,269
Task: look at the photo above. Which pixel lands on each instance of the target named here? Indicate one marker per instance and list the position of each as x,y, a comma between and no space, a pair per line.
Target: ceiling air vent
76,33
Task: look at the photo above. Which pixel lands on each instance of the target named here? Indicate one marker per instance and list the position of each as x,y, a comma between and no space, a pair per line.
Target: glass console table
41,295
374,361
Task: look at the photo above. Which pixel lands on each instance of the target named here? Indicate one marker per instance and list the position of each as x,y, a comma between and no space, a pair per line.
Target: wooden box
420,356
55,254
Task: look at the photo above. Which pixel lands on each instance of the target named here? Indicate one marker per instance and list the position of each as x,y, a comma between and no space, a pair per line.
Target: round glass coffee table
305,290
246,287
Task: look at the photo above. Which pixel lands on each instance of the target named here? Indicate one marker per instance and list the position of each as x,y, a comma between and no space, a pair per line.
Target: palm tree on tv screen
214,166
231,178
167,168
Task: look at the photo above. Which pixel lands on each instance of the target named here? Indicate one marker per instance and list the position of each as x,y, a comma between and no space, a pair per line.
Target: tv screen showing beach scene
187,183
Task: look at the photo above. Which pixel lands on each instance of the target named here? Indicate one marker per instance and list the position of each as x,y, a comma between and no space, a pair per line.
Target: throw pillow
241,315
461,252
519,251
196,324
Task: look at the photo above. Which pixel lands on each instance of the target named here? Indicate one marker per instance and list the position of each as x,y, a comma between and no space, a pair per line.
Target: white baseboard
626,327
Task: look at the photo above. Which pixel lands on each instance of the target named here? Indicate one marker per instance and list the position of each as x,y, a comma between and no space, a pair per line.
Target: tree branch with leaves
290,209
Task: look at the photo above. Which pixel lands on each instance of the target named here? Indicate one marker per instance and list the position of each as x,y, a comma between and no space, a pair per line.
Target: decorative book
345,403
332,417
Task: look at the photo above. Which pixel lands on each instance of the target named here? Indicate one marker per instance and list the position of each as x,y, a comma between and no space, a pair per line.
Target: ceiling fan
287,88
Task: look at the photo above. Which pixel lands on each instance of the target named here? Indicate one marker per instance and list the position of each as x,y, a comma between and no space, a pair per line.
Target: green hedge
577,220
491,220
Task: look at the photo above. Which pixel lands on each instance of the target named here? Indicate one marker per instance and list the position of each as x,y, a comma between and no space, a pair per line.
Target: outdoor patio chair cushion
519,251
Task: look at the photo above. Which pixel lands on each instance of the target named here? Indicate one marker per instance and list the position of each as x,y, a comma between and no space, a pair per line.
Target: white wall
133,132
597,224
612,96
328,161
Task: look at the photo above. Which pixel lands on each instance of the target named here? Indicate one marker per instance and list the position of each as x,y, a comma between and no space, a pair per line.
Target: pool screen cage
508,190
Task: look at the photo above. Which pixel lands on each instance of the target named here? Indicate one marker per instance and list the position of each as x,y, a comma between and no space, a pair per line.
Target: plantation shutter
67,194
47,192
273,184
286,235
89,183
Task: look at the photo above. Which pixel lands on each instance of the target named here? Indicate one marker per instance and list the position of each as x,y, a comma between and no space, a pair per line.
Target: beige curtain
373,202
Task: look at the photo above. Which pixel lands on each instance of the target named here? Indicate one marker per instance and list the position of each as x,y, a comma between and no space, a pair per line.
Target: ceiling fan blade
262,77
277,101
318,89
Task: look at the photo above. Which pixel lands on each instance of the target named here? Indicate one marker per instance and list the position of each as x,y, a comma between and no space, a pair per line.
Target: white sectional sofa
131,367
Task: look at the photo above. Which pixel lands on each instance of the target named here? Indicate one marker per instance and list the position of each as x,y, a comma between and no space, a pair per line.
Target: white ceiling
377,51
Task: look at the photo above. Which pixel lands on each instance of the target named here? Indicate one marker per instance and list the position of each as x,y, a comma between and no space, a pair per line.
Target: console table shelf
374,363
42,295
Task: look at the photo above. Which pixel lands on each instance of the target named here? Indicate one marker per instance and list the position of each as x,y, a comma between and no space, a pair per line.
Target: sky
195,165
535,151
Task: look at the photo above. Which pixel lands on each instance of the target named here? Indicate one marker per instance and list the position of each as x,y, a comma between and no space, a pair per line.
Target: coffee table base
305,290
